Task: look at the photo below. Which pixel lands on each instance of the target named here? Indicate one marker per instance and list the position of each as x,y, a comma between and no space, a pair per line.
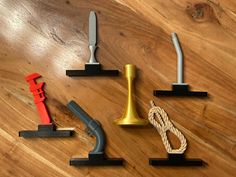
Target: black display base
175,160
92,70
45,131
179,90
98,159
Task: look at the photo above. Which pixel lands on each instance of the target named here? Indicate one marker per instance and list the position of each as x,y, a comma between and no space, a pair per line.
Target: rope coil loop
163,126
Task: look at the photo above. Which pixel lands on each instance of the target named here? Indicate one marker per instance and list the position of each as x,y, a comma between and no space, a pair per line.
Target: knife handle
92,59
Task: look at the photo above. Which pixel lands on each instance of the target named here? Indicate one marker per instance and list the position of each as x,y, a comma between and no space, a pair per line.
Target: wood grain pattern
50,36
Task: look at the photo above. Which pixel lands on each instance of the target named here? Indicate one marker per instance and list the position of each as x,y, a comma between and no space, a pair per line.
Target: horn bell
130,116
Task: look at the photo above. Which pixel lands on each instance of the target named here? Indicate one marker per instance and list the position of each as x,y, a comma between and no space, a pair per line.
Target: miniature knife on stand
92,38
92,68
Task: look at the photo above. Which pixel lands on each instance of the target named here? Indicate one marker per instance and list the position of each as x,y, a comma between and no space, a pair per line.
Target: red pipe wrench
39,97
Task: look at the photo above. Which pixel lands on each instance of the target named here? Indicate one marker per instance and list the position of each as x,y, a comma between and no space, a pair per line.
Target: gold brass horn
130,116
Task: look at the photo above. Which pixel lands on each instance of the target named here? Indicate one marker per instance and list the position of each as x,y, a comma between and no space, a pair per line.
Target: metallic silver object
92,37
180,60
180,88
92,67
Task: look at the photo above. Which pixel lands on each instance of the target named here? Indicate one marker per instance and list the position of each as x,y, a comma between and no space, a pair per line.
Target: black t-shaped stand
97,156
47,128
92,68
175,160
180,88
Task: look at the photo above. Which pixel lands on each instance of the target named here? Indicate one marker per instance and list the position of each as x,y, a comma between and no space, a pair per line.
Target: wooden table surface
50,36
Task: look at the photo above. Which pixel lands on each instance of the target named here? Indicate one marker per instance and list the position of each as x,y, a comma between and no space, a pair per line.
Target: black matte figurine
175,160
97,156
46,131
180,88
92,68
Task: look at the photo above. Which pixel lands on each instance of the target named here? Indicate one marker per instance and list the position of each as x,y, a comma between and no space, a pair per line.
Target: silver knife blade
92,29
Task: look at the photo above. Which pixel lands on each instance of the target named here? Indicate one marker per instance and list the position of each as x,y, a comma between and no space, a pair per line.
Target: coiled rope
163,126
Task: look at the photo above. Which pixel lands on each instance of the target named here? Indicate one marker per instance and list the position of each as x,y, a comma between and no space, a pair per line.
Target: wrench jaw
32,77
46,128
175,160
